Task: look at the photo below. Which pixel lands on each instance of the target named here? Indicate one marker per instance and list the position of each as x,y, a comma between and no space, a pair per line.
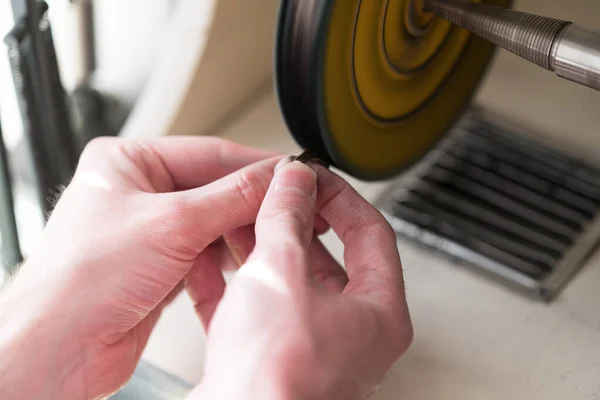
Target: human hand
125,233
292,325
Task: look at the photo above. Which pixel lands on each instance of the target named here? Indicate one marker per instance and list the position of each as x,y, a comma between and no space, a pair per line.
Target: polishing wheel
372,85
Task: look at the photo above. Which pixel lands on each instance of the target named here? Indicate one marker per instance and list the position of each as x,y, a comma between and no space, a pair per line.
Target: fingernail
284,161
296,175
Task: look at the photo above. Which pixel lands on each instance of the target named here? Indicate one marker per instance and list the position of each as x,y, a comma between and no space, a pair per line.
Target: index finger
370,250
187,161
196,161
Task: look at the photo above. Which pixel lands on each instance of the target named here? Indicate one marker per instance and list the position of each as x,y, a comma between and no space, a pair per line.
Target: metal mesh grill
518,209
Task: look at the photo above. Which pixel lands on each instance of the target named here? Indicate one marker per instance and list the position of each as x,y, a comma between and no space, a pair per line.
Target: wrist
253,386
37,359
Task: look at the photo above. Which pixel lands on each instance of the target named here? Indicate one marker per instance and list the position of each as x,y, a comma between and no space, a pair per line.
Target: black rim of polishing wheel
296,38
281,63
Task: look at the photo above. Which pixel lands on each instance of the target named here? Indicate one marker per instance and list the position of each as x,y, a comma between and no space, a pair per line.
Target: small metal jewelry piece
310,157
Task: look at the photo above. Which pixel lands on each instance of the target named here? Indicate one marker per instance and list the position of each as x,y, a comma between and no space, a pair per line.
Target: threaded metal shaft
530,36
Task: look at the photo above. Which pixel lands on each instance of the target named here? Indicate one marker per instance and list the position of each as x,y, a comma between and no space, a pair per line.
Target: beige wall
220,53
236,62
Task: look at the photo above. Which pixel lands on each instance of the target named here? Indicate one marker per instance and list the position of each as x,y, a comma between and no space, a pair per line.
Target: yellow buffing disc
372,85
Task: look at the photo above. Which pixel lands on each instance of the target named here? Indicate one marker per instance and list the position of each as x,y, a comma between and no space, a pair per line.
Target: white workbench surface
473,339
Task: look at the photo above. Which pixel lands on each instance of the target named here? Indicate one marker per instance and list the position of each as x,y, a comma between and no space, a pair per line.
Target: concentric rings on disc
372,85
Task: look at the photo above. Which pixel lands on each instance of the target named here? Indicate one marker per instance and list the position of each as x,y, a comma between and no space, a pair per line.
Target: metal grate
510,206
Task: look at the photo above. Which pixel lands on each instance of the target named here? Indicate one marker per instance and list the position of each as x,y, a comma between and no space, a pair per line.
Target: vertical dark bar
32,125
59,135
42,101
11,250
61,141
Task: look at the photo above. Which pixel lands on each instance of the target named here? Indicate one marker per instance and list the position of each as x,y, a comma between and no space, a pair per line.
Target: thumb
284,226
288,212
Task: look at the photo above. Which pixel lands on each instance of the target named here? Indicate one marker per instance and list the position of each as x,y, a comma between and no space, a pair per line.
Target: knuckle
301,345
291,249
220,149
103,149
250,186
396,317
402,336
331,193
171,217
288,251
407,335
178,209
396,329
290,215
380,230
98,147
376,229
224,148
173,229
219,143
